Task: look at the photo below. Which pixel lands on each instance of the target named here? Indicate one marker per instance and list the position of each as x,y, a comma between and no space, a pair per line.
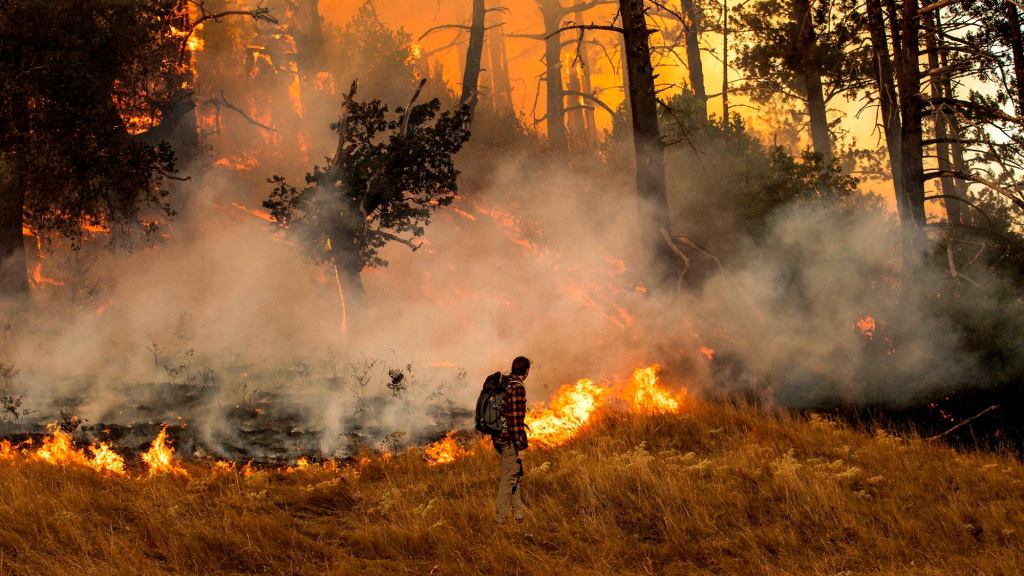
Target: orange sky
526,66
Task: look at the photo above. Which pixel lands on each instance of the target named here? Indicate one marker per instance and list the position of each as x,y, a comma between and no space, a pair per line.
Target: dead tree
553,14
649,149
652,196
692,29
474,55
501,84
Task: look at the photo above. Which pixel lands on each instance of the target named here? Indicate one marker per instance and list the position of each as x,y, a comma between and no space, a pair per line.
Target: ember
867,326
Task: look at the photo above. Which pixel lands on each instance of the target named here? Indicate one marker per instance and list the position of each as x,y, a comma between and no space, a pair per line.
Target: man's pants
510,486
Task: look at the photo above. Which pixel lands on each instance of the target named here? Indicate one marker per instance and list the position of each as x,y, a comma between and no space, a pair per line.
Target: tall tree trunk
498,69
957,146
695,16
940,122
1017,49
13,269
652,196
347,268
725,62
887,99
474,55
624,64
551,10
588,113
574,109
810,74
909,78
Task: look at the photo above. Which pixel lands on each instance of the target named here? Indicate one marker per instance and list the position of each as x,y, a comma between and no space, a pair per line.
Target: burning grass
713,489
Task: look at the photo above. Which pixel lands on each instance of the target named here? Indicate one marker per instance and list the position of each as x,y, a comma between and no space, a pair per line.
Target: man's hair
520,366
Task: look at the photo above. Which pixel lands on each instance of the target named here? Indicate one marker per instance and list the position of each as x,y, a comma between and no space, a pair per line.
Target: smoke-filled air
706,287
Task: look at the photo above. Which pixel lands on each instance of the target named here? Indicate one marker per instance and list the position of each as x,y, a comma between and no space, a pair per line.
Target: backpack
489,418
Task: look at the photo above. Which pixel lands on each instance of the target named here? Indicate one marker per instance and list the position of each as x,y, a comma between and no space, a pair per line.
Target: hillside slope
718,490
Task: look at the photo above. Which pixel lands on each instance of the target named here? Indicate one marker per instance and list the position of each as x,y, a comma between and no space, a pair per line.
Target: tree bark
810,74
574,109
725,62
344,256
887,100
1017,49
652,197
551,10
957,147
502,84
695,15
940,122
474,55
909,78
589,118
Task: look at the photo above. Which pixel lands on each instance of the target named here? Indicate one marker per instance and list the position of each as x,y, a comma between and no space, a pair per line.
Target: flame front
59,450
159,458
445,450
570,410
104,459
647,396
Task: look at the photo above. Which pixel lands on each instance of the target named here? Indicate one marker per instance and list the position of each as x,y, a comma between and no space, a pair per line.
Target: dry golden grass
719,490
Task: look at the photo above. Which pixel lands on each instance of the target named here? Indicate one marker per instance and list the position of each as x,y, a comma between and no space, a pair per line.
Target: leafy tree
379,56
389,174
809,52
715,167
78,81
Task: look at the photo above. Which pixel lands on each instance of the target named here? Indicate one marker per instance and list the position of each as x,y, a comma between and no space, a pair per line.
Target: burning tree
386,178
78,81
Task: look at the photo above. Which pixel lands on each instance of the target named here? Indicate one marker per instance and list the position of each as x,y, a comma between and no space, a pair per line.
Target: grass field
718,490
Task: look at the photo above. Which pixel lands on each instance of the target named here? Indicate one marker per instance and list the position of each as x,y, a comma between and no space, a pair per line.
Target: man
511,442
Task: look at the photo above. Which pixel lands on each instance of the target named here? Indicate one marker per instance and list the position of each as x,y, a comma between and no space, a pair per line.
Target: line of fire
756,265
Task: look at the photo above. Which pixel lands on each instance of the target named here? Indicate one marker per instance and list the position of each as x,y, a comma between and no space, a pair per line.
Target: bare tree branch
590,98
586,27
222,102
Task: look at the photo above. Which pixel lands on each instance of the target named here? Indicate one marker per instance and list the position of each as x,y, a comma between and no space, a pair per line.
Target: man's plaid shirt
514,411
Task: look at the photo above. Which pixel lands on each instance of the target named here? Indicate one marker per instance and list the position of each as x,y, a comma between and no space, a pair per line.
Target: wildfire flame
647,396
445,450
59,450
573,406
300,465
160,457
38,279
569,411
867,326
